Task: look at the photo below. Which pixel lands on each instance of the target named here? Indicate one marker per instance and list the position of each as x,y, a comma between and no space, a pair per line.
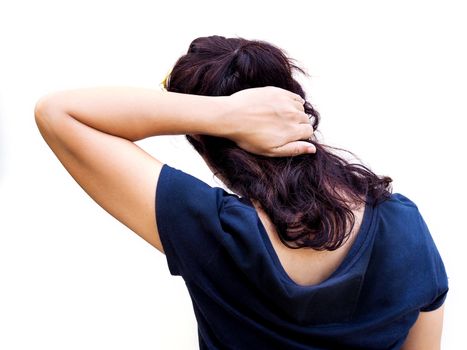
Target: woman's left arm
91,131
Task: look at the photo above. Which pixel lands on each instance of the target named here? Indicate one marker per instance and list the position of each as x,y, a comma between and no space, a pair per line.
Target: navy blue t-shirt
244,299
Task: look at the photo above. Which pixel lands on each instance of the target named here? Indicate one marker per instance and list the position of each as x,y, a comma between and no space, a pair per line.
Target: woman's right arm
91,131
426,332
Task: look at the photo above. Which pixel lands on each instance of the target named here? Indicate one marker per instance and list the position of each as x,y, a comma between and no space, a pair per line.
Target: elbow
40,115
39,111
42,109
47,115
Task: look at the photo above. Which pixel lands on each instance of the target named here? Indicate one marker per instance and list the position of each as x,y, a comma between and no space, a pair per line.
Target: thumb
294,149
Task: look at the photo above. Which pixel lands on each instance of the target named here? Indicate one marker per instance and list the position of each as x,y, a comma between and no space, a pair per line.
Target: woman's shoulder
401,225
399,201
399,210
405,252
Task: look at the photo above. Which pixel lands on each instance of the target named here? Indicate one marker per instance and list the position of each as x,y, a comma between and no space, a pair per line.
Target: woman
310,251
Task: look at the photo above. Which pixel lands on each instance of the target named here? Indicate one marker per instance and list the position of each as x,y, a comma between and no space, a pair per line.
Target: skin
427,331
307,266
92,132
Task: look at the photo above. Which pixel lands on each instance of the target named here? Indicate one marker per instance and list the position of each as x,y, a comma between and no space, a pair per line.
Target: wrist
216,117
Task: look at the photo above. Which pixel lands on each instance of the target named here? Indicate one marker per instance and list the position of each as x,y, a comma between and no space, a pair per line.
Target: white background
389,79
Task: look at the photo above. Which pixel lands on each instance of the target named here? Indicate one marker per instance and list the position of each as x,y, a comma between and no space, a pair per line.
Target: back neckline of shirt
349,260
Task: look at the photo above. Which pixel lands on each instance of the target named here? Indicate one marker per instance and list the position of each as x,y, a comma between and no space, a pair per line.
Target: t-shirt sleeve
187,215
439,276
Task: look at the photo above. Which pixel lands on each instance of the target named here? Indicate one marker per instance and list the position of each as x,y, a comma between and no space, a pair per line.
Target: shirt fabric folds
243,298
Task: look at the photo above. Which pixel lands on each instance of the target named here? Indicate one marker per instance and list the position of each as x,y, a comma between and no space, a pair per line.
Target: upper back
308,266
367,296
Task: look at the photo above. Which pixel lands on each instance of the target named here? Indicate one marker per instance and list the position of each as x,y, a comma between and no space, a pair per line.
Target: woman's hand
90,131
268,121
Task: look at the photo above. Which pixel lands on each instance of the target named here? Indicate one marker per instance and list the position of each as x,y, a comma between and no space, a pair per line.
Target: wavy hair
308,198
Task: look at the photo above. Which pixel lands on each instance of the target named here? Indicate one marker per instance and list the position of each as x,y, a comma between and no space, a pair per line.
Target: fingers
303,118
297,97
299,100
300,106
307,131
302,131
288,93
294,149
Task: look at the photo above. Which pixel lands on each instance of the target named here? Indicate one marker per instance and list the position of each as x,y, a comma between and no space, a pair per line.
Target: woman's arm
426,332
266,121
91,133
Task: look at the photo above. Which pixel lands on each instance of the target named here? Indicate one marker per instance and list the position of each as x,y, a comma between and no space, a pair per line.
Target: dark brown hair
307,197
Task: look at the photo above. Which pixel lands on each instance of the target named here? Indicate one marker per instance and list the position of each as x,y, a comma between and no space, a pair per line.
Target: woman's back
308,266
364,297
